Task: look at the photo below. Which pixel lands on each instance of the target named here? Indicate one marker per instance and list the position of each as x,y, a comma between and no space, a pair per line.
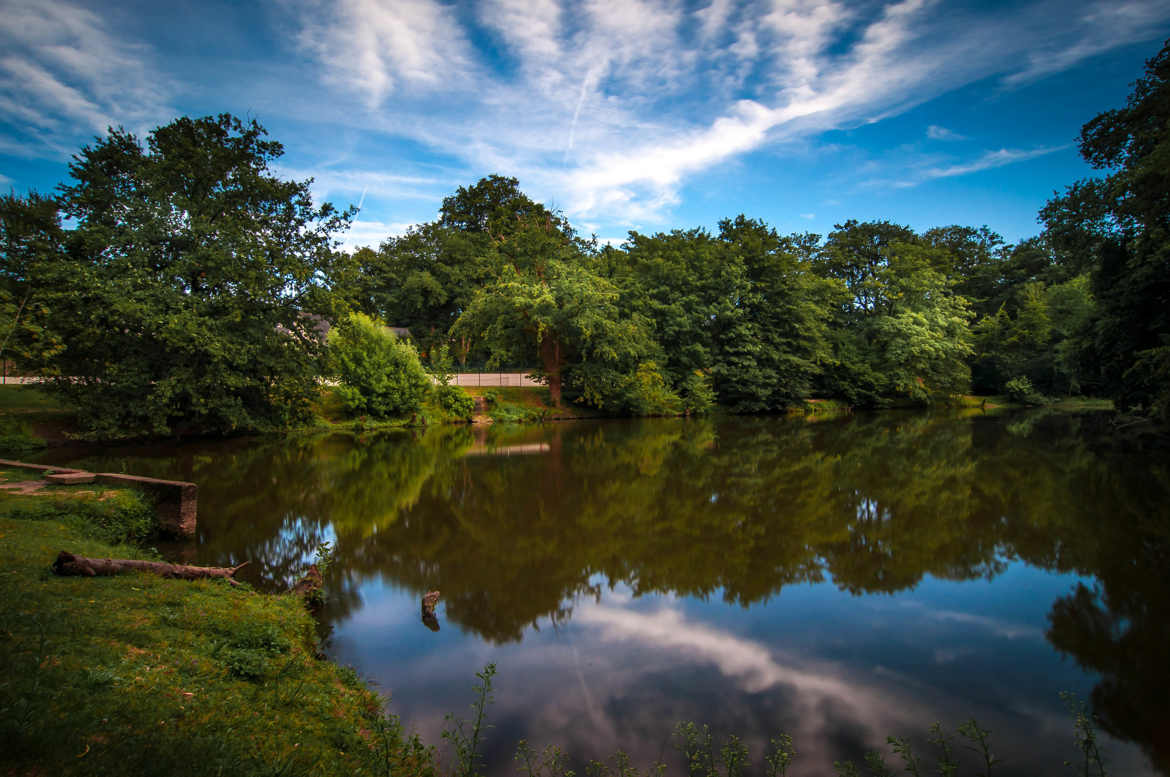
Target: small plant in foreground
551,761
466,738
980,743
779,756
1086,736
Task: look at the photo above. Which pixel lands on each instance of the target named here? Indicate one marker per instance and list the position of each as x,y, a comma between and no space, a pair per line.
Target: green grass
1001,402
527,404
140,675
28,399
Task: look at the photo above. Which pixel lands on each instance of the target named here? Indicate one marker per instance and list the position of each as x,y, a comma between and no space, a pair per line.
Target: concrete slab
70,478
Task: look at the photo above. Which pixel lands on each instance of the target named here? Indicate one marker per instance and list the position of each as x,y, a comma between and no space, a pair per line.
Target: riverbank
137,674
31,419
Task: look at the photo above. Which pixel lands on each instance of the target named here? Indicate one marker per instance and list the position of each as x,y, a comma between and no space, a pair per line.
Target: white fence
494,379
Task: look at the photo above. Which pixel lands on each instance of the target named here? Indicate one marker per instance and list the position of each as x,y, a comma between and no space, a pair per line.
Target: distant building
319,326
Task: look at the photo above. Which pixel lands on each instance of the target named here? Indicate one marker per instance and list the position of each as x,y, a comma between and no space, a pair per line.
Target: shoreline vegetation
31,419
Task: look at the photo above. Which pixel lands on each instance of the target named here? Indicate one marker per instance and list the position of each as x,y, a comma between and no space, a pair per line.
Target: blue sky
625,114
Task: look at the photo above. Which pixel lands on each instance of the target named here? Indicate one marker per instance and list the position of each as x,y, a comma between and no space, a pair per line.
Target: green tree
548,302
188,286
1119,225
900,328
381,376
972,259
742,307
774,340
31,243
424,279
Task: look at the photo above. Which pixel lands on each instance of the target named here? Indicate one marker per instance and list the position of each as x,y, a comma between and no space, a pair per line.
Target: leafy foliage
185,289
1119,226
31,238
381,376
455,400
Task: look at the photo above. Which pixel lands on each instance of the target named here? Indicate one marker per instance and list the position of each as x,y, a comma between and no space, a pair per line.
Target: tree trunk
550,355
69,564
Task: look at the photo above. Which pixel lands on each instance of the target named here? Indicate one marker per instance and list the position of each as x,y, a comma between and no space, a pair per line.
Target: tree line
180,285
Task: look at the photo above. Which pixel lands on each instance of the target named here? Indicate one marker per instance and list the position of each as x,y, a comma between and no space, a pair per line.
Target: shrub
455,400
647,392
1020,390
380,375
698,395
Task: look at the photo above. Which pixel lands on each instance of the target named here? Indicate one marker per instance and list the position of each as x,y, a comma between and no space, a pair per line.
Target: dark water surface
840,581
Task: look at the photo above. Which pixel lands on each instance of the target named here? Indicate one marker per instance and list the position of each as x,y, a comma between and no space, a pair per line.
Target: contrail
362,199
589,76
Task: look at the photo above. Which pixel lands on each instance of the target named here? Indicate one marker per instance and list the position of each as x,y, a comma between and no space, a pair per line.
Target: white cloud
363,233
935,132
355,183
808,216
990,160
608,107
377,46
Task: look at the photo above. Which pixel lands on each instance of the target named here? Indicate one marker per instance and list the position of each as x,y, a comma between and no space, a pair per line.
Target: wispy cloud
1104,26
353,182
906,172
608,107
990,160
64,68
365,233
374,47
935,132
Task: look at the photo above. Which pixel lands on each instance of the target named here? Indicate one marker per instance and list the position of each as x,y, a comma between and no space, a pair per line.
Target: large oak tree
189,282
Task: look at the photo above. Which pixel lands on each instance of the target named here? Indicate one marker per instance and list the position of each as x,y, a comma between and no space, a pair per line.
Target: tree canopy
1118,228
185,293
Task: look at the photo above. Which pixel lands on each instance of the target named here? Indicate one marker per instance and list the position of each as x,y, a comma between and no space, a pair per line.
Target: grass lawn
28,399
137,674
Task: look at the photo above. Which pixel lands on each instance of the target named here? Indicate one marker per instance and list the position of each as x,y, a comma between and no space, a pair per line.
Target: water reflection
882,572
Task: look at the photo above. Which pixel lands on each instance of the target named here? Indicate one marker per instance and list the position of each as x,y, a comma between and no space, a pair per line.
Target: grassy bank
141,675
29,419
526,404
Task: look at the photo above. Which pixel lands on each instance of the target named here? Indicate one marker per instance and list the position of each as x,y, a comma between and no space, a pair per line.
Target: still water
841,581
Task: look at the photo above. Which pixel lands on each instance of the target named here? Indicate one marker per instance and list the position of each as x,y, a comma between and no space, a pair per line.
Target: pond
841,581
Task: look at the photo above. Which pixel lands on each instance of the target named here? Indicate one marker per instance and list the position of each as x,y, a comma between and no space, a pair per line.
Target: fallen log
82,566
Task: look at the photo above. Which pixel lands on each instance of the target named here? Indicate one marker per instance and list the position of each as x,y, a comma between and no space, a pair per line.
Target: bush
455,400
1020,390
381,376
647,393
698,395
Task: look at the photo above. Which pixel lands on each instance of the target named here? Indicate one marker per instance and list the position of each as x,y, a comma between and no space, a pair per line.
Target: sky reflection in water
841,581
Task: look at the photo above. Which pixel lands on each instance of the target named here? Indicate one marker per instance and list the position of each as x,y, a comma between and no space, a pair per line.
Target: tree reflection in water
738,508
